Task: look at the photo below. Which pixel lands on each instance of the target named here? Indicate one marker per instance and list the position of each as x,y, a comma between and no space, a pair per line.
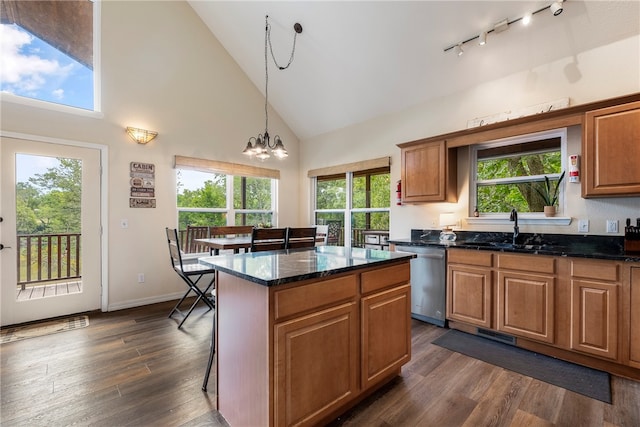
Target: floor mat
16,333
586,381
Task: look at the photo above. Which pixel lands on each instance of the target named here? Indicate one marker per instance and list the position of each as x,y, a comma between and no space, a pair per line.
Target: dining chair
333,234
196,232
191,274
301,237
268,239
322,235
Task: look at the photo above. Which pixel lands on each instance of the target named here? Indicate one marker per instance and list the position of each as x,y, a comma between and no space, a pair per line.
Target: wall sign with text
143,185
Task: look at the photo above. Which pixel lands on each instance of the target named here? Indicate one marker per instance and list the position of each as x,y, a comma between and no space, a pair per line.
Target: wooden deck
50,289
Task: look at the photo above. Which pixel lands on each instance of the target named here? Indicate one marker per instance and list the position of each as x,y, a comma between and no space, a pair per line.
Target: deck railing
48,257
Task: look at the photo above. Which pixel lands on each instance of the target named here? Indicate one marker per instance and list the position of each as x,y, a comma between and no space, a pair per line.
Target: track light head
556,8
482,38
459,50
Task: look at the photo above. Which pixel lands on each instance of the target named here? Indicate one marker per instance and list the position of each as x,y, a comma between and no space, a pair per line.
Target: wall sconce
141,136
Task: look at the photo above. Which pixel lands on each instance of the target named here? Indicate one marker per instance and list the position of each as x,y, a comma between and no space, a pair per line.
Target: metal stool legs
212,352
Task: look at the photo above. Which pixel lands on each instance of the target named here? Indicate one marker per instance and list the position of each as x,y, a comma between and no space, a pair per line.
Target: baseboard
144,301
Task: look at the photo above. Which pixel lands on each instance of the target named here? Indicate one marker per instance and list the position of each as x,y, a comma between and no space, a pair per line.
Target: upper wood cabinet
428,172
610,150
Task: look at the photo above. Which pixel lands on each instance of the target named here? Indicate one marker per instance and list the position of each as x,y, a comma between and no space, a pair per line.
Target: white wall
161,70
605,72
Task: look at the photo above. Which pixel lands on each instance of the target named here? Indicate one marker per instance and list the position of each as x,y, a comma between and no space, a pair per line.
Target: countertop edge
553,252
313,275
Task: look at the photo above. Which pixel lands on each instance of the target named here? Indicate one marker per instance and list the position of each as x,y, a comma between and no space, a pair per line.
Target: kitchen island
303,335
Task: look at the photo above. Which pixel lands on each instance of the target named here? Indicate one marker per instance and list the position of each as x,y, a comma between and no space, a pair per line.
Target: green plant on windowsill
549,194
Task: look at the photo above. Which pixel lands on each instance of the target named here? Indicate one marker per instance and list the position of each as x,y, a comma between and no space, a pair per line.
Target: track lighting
556,8
503,25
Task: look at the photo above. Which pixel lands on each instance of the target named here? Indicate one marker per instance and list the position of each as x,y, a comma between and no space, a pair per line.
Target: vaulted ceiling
357,60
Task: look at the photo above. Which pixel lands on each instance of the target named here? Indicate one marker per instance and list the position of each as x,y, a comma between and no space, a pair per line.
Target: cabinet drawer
470,257
528,263
384,277
598,270
304,298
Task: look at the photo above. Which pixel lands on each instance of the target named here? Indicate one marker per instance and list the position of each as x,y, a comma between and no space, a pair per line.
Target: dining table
215,244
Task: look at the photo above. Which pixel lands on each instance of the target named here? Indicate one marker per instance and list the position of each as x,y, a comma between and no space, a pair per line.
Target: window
48,52
205,198
505,174
364,206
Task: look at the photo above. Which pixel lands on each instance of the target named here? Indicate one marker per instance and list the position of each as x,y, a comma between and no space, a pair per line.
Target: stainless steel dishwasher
428,283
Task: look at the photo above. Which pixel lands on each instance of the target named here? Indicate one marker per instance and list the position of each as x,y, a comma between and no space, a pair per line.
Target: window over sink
505,174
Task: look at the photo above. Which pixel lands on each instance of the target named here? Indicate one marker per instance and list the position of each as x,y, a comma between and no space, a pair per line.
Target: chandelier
261,146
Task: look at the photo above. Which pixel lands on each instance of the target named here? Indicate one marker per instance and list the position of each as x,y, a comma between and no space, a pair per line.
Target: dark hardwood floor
135,368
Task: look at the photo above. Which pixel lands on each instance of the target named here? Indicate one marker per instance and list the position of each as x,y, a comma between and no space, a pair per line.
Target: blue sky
34,69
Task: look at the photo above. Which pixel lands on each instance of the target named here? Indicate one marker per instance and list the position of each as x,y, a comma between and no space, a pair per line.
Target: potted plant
549,195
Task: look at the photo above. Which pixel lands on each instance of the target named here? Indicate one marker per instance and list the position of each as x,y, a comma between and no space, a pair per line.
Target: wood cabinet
316,364
595,287
302,353
428,172
634,318
526,296
469,286
610,150
386,333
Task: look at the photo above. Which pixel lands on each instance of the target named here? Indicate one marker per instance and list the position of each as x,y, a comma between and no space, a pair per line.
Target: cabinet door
386,333
316,364
469,294
611,149
428,174
526,305
634,325
594,318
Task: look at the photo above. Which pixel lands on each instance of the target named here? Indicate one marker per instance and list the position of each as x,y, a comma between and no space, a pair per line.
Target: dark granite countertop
570,245
272,268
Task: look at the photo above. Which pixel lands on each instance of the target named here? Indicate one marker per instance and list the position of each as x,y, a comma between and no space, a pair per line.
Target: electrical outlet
140,277
612,226
583,226
124,223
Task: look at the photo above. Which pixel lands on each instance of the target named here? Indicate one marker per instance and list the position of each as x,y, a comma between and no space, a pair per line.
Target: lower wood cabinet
470,286
526,305
579,309
386,333
334,339
316,364
634,318
594,318
595,287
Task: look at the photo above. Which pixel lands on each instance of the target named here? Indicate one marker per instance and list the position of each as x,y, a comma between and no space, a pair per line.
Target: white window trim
537,218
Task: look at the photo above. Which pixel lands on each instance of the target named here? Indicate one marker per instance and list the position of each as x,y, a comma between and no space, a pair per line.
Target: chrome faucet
516,229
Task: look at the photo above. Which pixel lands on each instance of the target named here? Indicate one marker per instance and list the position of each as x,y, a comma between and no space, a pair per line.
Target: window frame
348,210
525,217
97,80
230,211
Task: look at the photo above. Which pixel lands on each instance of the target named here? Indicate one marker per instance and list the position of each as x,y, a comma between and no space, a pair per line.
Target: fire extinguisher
399,193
